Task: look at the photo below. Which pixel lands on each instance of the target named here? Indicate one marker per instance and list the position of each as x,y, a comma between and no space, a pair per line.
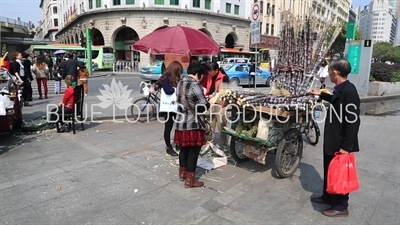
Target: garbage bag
37,124
211,157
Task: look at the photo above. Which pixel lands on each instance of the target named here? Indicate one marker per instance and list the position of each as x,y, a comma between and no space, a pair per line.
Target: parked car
152,72
238,74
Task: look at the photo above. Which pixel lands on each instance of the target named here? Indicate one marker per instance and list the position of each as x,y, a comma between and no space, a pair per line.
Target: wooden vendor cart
284,138
13,117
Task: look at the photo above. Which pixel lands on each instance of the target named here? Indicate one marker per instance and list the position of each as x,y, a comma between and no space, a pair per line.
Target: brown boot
182,173
191,181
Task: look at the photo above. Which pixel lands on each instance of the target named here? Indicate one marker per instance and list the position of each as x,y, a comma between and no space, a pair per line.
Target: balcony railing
16,22
27,39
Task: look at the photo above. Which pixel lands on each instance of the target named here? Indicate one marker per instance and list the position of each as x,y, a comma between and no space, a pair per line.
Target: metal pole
256,67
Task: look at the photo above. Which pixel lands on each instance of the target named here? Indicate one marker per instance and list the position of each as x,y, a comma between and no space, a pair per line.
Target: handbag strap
187,104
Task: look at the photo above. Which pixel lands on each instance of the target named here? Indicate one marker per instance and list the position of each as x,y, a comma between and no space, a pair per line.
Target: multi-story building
49,22
352,15
118,23
378,22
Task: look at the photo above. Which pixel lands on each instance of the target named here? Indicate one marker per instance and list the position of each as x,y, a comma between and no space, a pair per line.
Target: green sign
351,31
353,56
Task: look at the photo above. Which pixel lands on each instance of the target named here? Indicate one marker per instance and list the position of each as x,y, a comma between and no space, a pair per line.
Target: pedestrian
49,62
19,71
65,106
216,77
28,73
71,68
83,75
323,72
41,71
168,82
189,134
252,73
341,131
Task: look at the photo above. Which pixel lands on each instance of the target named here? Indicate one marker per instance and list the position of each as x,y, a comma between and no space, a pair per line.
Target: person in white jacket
323,72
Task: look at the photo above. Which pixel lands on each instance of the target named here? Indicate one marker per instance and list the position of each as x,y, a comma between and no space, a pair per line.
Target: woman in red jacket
65,106
216,77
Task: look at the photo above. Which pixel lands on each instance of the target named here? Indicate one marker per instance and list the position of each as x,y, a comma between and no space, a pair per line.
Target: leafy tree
384,51
339,45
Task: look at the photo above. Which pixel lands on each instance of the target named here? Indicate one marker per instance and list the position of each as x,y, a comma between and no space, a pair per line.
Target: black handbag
205,125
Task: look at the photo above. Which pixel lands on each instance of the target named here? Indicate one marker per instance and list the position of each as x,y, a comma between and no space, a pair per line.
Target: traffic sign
255,12
255,32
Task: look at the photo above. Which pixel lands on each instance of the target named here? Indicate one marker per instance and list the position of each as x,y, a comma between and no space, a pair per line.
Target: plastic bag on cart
211,157
37,124
263,128
3,110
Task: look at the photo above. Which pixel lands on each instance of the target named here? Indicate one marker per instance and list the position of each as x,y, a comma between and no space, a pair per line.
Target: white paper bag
263,128
211,157
168,102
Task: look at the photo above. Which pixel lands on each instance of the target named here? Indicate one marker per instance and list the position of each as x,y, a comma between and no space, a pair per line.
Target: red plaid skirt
190,138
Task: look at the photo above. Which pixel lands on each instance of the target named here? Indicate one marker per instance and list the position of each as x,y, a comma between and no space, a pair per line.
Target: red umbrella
177,40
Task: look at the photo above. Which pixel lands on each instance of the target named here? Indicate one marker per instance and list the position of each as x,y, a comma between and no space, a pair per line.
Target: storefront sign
70,14
266,41
183,59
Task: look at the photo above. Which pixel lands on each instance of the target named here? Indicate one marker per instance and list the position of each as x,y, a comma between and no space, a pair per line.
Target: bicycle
147,105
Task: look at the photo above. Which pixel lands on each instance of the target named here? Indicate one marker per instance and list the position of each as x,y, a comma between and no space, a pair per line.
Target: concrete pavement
119,174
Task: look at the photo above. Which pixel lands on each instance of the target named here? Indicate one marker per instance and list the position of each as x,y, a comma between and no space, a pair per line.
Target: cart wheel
312,132
237,151
288,153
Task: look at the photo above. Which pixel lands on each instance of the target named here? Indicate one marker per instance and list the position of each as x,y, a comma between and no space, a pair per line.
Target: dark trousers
57,114
169,124
188,158
252,80
26,85
338,202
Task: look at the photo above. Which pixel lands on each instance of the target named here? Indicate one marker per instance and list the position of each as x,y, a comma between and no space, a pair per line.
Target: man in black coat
341,130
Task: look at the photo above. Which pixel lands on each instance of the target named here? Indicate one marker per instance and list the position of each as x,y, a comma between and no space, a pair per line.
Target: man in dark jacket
49,62
28,74
341,130
71,68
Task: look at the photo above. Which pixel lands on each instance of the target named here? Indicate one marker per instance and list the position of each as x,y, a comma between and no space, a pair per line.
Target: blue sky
28,10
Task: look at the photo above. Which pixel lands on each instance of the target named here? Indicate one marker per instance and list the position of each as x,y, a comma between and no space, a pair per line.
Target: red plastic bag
342,174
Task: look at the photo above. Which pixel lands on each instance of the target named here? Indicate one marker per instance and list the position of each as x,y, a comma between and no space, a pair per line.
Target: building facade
352,16
119,23
378,22
50,21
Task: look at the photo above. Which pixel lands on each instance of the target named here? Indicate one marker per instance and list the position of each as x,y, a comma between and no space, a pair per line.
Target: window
236,10
272,30
130,2
98,3
228,8
207,4
55,10
173,2
55,22
268,8
273,10
159,2
196,3
90,4
267,28
261,6
116,2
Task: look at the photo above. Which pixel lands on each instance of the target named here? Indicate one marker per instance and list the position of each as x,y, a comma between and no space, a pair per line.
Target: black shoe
319,200
171,152
26,104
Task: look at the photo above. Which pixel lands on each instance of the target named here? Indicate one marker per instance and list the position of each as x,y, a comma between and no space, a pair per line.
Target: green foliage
340,42
384,51
396,77
382,72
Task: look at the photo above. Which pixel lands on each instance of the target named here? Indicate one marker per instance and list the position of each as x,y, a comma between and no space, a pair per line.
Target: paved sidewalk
119,174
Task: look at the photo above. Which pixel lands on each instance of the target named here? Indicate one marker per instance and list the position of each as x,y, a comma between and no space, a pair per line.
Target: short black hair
196,69
70,56
342,66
